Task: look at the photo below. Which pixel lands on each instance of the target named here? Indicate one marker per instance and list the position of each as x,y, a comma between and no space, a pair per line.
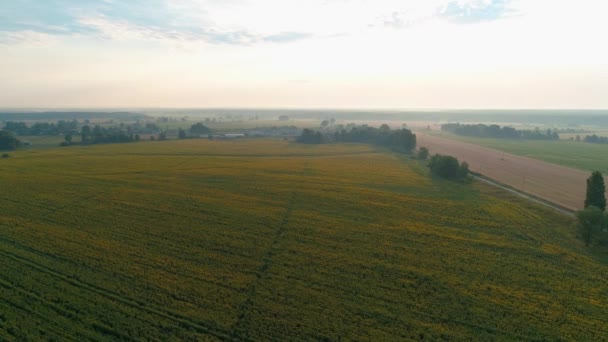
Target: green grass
579,155
44,141
270,240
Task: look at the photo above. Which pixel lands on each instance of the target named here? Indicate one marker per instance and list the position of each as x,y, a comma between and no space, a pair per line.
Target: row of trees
593,221
101,135
400,139
496,131
595,139
42,128
89,135
310,136
73,127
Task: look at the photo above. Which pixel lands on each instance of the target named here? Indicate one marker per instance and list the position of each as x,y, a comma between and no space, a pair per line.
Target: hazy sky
304,53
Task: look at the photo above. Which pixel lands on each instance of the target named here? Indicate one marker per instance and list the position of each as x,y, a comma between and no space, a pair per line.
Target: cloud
123,30
403,19
475,11
230,22
285,37
26,37
155,20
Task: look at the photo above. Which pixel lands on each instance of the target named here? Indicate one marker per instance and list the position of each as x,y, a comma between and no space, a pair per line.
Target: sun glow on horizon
341,53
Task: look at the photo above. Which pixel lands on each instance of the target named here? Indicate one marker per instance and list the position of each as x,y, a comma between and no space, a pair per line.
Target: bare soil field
557,184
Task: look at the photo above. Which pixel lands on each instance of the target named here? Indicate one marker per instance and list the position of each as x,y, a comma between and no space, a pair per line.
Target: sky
397,54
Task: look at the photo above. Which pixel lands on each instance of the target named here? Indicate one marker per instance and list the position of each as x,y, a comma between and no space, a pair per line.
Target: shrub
423,153
448,167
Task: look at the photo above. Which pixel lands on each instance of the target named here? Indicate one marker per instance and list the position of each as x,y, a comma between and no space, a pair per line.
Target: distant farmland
558,184
578,155
270,240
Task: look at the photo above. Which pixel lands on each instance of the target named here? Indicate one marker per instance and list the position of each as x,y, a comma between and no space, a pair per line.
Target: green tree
445,166
182,134
591,223
309,136
423,153
596,191
68,139
464,170
199,128
8,141
84,133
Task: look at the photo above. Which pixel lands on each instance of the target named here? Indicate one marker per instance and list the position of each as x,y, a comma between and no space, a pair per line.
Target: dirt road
554,183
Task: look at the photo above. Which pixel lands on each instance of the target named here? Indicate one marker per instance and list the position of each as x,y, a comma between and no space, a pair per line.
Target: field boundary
559,185
523,194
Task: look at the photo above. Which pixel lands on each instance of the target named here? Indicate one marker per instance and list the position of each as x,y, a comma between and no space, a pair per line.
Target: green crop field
270,240
579,155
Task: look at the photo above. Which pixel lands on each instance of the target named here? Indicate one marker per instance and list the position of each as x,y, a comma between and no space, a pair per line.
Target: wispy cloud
453,11
475,11
156,20
403,19
232,22
123,30
286,37
25,36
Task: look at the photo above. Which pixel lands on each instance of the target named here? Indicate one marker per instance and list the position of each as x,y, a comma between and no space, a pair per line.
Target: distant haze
305,54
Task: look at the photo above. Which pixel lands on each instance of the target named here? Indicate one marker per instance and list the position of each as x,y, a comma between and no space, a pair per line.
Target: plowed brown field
557,184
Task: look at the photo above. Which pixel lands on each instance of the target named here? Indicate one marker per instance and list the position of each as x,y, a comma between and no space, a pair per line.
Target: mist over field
326,170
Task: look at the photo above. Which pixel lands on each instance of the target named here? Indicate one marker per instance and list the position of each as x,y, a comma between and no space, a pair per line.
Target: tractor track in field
53,210
64,260
237,330
201,327
61,311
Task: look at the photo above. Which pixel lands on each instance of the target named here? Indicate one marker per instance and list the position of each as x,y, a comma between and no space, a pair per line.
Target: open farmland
555,183
270,240
578,155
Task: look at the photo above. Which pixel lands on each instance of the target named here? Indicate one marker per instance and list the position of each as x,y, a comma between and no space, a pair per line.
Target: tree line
89,134
103,135
595,139
400,139
42,128
496,131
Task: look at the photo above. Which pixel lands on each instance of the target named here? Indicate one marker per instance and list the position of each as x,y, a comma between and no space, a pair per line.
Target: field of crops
270,240
579,155
564,186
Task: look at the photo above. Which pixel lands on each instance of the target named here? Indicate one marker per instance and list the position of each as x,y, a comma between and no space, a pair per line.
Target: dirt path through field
558,184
